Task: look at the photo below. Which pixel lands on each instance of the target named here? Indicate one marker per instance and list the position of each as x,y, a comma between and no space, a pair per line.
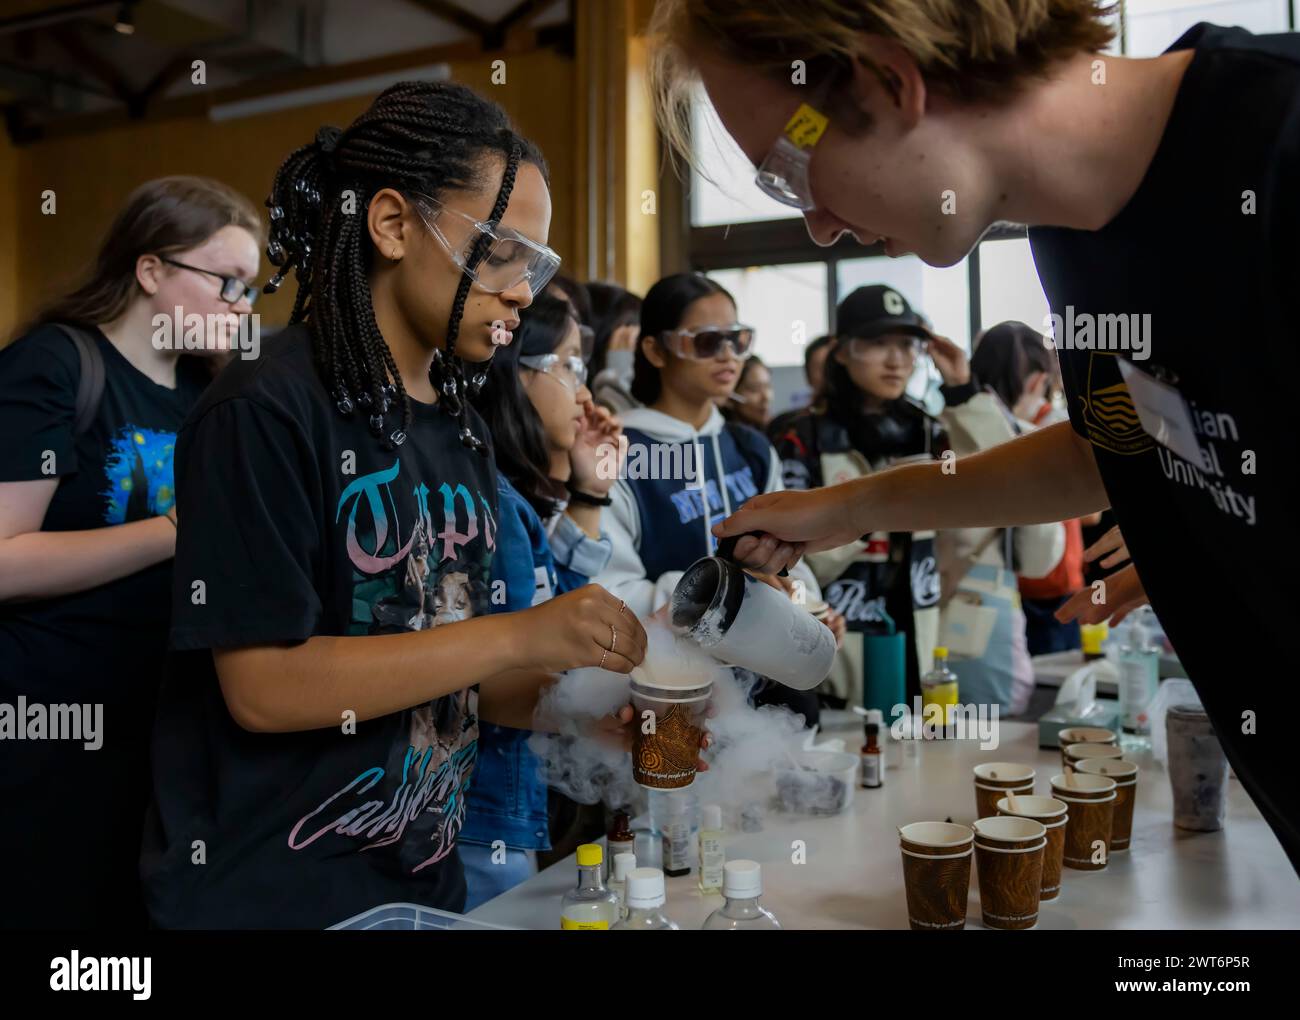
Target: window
1150,26
941,295
729,195
786,305
1009,287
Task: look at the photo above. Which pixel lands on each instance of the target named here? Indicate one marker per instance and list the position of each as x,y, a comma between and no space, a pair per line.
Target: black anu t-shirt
1194,286
295,522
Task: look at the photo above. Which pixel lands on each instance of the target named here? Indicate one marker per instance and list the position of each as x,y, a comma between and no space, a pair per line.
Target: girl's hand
1112,542
596,459
615,731
949,359
585,627
838,626
624,337
1122,593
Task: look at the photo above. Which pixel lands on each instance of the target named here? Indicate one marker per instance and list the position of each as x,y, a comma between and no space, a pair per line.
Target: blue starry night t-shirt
296,523
106,643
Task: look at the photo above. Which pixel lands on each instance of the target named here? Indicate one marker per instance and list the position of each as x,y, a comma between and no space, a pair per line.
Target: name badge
541,586
1162,412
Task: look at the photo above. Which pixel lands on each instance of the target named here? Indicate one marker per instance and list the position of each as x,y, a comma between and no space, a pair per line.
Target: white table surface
853,875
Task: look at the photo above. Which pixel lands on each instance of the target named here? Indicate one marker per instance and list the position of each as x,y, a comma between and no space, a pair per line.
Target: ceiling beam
53,16
93,61
465,20
200,103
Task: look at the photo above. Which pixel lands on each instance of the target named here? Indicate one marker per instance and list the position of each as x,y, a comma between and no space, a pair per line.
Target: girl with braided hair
334,648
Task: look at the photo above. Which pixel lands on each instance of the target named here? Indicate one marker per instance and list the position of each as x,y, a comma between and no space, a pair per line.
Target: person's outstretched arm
1048,475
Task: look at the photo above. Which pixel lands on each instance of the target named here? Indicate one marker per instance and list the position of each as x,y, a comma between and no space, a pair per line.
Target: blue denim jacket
507,796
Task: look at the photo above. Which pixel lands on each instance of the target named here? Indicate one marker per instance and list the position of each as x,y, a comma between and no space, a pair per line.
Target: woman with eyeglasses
91,398
687,467
547,437
335,643
863,423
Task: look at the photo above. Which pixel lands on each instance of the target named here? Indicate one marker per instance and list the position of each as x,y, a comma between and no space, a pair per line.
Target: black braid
417,137
449,374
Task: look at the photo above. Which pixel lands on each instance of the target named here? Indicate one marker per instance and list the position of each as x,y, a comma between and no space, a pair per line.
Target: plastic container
413,917
1174,691
817,782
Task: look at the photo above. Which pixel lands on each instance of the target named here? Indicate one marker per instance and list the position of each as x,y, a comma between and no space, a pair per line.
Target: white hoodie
625,574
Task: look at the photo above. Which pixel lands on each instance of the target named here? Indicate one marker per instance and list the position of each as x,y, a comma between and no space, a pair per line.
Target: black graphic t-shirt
1194,284
296,523
100,647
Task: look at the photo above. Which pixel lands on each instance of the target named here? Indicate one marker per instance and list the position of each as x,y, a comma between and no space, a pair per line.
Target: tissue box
1103,713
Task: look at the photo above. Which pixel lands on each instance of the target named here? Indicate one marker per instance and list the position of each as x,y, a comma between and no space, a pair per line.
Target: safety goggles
783,174
508,258
233,289
571,371
705,343
863,347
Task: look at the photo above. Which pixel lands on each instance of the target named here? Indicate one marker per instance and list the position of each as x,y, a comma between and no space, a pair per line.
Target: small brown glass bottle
873,763
620,838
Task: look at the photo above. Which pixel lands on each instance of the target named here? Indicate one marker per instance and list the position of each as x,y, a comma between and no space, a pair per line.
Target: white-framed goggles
509,258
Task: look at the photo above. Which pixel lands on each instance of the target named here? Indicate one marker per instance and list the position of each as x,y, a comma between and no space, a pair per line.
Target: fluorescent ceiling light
372,85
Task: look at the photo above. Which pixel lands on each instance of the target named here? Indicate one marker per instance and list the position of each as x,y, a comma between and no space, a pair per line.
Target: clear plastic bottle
1139,678
590,906
645,902
674,817
742,885
624,864
712,857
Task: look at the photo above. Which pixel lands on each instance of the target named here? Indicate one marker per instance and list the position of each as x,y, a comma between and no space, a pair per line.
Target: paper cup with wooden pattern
667,728
1084,735
1009,860
1125,774
936,874
1053,815
1076,753
1091,800
992,781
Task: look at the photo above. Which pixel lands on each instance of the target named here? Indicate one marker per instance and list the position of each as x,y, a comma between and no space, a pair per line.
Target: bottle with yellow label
589,906
939,686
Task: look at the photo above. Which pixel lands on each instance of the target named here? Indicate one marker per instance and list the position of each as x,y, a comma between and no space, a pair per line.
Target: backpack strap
90,386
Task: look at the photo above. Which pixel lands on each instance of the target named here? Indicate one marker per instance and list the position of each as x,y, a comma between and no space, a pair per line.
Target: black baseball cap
876,310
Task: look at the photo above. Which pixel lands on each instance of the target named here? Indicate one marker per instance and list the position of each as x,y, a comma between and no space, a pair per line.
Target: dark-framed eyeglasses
233,289
704,343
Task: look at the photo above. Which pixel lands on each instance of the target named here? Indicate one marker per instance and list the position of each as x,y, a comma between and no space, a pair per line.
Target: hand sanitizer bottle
712,857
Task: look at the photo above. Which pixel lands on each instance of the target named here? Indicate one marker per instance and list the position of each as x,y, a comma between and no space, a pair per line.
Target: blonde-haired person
88,531
918,124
